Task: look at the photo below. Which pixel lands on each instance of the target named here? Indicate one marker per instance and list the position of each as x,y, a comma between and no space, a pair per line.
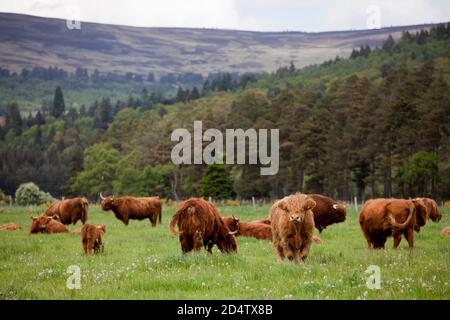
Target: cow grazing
195,217
292,222
10,227
69,211
46,224
445,231
327,211
91,238
432,209
133,208
381,218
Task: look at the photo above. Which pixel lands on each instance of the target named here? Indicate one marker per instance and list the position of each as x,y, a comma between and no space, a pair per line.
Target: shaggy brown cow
78,230
327,211
432,209
70,210
381,218
10,227
134,208
195,216
46,224
292,222
91,238
446,231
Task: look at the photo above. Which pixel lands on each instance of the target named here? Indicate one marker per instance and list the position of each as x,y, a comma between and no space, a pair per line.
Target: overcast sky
258,15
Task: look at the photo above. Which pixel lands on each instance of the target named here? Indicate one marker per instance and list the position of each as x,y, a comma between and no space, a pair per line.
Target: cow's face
339,213
107,203
297,207
232,223
39,224
231,243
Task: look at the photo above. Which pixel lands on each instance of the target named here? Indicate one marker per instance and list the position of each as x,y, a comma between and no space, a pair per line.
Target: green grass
140,262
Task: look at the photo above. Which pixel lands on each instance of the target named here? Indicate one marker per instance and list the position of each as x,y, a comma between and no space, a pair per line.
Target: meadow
140,262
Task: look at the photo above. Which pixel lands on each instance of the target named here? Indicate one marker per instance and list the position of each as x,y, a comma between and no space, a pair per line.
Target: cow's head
107,202
232,223
339,212
230,242
296,206
102,228
39,224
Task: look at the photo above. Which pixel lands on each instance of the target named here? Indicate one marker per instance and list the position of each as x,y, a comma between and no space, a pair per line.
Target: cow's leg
367,236
278,248
304,248
210,246
153,219
409,234
288,250
186,243
397,238
90,245
85,246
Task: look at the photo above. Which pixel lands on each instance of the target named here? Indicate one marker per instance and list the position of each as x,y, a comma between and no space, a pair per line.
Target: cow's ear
282,205
309,203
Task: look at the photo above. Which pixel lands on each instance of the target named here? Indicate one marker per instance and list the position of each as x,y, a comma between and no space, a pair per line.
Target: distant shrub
30,194
3,198
233,203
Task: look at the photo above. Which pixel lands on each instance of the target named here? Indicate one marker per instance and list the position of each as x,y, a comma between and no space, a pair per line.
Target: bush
29,194
3,198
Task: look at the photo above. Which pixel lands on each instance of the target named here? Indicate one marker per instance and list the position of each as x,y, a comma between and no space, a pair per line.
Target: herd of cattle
290,224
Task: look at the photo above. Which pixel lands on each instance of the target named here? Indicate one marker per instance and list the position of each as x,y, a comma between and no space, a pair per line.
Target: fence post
356,204
253,203
10,201
209,199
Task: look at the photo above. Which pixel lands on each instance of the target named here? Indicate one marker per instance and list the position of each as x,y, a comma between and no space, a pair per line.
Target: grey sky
260,15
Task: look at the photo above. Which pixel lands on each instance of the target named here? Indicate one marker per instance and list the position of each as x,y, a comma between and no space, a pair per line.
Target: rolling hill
27,41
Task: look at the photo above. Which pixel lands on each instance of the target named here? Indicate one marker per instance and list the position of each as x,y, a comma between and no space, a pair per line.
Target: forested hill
28,41
374,124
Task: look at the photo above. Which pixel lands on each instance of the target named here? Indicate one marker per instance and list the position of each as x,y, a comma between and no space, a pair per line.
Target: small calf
91,238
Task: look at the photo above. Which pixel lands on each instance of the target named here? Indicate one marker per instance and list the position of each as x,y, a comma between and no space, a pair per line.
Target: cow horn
233,232
102,197
335,206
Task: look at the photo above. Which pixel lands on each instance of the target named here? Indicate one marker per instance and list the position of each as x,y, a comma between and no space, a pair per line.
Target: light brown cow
381,218
46,224
432,209
445,231
138,208
10,227
292,222
91,238
69,211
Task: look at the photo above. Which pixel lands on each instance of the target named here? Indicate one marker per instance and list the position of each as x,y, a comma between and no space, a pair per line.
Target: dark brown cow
70,210
46,224
381,218
134,208
10,227
91,238
327,211
292,222
196,216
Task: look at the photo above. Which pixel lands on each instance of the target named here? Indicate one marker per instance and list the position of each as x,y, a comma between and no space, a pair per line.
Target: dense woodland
374,124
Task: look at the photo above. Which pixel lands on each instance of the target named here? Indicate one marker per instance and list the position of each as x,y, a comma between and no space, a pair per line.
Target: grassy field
140,262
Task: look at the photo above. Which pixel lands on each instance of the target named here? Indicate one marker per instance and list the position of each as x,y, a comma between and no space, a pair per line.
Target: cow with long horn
133,208
196,216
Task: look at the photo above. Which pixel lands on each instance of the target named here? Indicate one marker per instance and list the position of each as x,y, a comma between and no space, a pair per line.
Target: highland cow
381,218
69,211
46,224
292,222
134,208
10,227
91,238
327,211
195,217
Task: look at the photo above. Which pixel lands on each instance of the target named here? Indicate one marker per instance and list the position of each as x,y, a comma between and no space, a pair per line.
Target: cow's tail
404,224
172,224
84,210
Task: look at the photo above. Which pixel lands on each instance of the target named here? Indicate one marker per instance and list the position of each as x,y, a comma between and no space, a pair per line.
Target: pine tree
13,118
58,103
389,43
217,183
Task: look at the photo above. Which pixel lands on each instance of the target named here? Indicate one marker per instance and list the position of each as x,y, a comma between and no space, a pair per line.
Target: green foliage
59,106
100,165
419,172
3,198
217,183
30,194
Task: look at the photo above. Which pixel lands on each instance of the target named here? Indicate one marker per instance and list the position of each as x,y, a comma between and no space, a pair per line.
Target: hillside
28,41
